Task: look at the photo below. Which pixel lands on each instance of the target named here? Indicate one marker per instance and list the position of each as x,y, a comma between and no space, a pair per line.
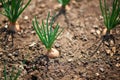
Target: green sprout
111,16
12,75
46,32
64,2
12,9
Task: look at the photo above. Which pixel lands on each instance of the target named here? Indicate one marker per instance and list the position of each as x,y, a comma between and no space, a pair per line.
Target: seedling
12,9
62,10
111,16
47,35
12,75
64,3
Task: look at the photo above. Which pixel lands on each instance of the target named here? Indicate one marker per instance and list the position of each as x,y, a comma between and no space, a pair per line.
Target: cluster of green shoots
12,9
46,32
12,75
110,15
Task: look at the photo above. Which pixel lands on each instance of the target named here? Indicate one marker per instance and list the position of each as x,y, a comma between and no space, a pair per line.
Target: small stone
98,52
114,49
57,45
21,66
97,74
33,32
42,5
117,58
9,55
92,31
101,17
69,60
1,53
112,42
117,65
108,51
32,44
95,26
101,69
98,32
25,17
15,53
6,26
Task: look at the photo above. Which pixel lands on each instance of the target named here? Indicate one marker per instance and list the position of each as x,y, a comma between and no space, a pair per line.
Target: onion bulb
53,53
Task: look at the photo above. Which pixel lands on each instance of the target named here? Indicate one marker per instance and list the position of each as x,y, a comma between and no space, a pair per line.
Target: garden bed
83,26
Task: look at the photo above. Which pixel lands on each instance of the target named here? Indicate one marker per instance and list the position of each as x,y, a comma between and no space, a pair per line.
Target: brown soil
83,26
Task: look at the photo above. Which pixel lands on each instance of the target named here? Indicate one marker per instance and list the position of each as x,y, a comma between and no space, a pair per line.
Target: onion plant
12,75
13,11
64,3
46,32
110,15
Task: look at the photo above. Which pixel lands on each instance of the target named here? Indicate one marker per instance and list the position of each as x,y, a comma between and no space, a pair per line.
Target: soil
83,27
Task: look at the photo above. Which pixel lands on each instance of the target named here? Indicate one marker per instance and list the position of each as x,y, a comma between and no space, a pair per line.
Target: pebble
97,74
9,55
33,32
6,26
69,60
117,58
101,17
15,53
42,5
1,54
57,45
117,65
98,32
114,49
32,44
95,26
102,69
92,31
26,17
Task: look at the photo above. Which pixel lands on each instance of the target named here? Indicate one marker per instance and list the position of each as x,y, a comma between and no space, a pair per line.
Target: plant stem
108,32
48,51
12,26
63,9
